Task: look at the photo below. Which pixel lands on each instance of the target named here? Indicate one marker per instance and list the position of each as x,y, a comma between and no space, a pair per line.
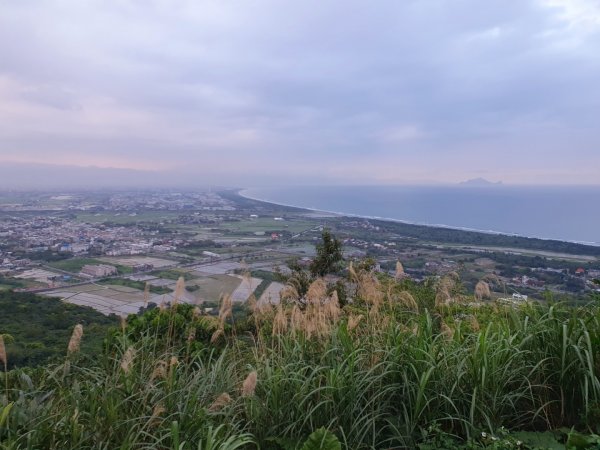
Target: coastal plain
221,243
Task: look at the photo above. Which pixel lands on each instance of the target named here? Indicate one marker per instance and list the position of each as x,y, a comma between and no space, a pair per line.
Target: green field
210,288
174,274
268,224
73,265
126,218
135,285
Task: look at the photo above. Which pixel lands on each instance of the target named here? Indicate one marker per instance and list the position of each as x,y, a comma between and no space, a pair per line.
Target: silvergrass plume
160,371
75,340
252,303
249,384
482,290
474,323
280,322
399,270
446,331
353,321
317,291
217,334
127,360
406,299
220,402
146,294
3,357
179,290
191,334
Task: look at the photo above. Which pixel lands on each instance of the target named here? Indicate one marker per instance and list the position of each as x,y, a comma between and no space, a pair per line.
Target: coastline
241,193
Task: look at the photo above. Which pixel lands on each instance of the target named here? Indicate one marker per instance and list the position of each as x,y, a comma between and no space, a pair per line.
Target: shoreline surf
243,193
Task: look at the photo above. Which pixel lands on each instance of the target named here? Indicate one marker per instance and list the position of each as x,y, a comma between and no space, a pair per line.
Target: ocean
562,213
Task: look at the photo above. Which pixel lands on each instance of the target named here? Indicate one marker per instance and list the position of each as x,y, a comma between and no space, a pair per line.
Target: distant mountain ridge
480,182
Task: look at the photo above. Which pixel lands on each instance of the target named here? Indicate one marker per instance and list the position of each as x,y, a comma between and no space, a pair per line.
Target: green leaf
322,439
545,440
580,441
284,444
4,412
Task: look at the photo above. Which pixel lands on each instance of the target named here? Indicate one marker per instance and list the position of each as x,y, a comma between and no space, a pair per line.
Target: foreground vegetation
401,365
36,328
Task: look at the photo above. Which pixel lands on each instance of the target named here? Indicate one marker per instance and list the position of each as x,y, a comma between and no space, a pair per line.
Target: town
118,252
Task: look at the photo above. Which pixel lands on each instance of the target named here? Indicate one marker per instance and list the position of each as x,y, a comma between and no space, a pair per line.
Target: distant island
480,182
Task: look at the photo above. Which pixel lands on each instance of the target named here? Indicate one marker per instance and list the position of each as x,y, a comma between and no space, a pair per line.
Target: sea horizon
569,231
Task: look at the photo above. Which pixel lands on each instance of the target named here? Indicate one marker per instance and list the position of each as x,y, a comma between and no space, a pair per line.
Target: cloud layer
340,91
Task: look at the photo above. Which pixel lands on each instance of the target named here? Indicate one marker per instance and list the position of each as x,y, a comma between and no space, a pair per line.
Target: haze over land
300,92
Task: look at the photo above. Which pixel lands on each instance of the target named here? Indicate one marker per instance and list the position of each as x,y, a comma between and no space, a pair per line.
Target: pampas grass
146,294
220,402
317,291
75,340
482,290
399,271
406,299
3,357
179,290
280,322
353,321
226,308
127,360
217,334
446,331
249,384
4,360
376,373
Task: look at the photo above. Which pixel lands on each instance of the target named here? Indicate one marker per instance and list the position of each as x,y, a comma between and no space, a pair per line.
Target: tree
329,255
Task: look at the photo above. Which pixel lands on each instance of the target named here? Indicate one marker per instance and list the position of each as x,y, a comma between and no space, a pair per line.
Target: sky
267,92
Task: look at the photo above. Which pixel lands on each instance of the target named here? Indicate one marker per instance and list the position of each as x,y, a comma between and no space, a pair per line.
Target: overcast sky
326,91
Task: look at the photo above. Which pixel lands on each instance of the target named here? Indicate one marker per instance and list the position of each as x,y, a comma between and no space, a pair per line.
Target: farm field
218,268
126,218
267,224
245,289
39,275
210,288
107,299
74,265
271,294
132,261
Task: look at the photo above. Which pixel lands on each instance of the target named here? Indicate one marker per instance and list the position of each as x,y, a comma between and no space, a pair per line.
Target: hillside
392,364
36,329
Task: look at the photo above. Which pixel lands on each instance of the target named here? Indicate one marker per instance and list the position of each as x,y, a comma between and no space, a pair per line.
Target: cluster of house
524,280
39,234
98,270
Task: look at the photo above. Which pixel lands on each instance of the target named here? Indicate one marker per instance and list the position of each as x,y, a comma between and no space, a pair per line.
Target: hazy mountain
25,175
476,182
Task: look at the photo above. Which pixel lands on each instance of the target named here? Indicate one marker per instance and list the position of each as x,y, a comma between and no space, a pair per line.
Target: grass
381,372
261,288
267,224
211,287
125,218
135,284
174,274
6,284
37,328
74,265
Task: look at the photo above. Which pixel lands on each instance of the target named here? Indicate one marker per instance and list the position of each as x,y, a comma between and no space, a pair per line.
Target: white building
99,270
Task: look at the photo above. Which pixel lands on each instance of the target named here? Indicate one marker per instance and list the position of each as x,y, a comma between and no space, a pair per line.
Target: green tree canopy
329,255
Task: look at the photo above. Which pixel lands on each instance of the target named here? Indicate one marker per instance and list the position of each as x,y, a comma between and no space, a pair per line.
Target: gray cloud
340,91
